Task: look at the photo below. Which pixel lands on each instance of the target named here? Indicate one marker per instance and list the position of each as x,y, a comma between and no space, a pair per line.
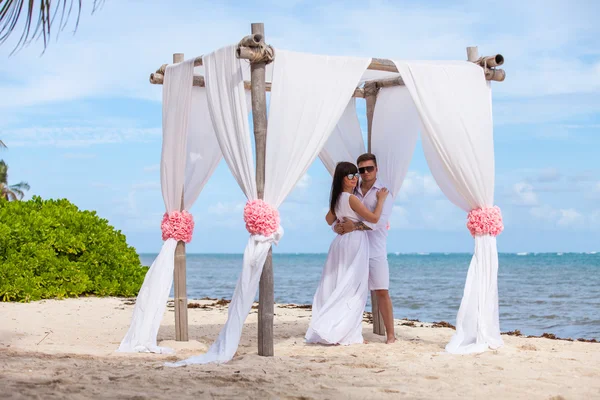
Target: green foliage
51,249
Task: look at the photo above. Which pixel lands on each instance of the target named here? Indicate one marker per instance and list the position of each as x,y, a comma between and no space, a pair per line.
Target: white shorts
379,273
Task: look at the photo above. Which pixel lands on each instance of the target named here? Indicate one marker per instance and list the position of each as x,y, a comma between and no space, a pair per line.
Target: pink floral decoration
261,218
485,221
178,225
388,226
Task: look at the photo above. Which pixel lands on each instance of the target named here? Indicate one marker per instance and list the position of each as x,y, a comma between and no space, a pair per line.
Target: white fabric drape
308,96
203,152
454,103
229,112
346,142
190,153
395,130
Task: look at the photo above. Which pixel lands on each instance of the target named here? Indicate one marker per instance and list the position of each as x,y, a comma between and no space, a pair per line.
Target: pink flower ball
261,218
485,221
178,225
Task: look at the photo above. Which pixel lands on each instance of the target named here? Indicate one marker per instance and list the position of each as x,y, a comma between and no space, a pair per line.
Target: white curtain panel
346,142
395,130
454,102
203,151
308,96
228,107
190,153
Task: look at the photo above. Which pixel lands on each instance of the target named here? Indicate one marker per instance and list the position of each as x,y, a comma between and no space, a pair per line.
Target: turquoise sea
550,292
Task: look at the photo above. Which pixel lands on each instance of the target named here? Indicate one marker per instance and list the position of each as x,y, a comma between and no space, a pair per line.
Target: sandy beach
66,349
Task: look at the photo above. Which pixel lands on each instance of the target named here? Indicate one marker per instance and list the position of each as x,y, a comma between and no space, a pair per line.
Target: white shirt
378,234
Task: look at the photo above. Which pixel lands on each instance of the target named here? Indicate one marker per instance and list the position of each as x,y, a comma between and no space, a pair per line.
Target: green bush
51,249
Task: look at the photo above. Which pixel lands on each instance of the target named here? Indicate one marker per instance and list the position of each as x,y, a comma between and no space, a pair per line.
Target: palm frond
10,196
19,194
20,186
2,145
11,12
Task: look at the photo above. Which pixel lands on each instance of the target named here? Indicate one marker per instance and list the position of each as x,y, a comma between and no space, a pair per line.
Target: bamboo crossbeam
253,40
199,81
383,83
162,69
377,64
250,42
381,64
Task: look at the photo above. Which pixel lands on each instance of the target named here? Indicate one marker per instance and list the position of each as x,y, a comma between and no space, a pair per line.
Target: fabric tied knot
178,225
261,218
485,221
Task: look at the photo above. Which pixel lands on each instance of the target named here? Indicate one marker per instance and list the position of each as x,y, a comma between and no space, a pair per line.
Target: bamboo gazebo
254,49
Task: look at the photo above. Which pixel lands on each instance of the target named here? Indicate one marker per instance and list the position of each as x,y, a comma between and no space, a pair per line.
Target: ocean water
550,292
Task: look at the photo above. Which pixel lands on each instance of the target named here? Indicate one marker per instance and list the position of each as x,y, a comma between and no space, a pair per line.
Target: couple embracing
359,210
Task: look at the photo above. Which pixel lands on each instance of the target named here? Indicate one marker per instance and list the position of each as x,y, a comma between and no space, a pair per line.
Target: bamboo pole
371,98
488,64
248,51
266,297
199,81
371,90
472,53
179,274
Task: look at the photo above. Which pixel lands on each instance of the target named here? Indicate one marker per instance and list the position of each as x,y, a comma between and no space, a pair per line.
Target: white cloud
569,217
544,212
304,182
523,194
97,62
77,136
224,208
417,185
399,218
560,217
430,186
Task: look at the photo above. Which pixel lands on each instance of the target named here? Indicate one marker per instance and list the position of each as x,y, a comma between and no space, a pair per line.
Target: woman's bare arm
364,212
330,217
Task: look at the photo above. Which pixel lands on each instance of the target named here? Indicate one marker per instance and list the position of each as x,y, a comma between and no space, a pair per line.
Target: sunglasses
370,168
352,176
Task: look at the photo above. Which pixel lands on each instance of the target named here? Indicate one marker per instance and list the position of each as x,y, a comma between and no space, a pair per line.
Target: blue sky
83,122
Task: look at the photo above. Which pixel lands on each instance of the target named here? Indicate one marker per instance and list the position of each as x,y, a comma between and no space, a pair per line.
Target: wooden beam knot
370,89
262,53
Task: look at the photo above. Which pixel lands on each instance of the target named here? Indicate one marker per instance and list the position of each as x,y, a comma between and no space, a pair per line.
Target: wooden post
266,295
179,278
371,97
473,53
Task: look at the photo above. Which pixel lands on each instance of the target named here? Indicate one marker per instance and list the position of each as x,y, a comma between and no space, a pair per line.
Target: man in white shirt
379,272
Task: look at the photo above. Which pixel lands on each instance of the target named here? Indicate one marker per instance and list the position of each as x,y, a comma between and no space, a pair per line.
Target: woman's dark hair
337,186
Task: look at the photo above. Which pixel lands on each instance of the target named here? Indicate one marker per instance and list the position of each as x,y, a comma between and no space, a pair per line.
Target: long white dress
338,305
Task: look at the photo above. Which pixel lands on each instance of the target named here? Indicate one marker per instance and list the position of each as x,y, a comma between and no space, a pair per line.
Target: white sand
66,349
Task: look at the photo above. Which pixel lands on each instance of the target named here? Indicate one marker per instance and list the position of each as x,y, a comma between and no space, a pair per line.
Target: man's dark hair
366,157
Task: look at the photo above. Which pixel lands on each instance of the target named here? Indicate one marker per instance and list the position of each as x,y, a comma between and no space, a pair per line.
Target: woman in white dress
340,300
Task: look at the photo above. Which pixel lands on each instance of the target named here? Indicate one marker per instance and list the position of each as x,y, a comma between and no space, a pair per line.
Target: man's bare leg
387,312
